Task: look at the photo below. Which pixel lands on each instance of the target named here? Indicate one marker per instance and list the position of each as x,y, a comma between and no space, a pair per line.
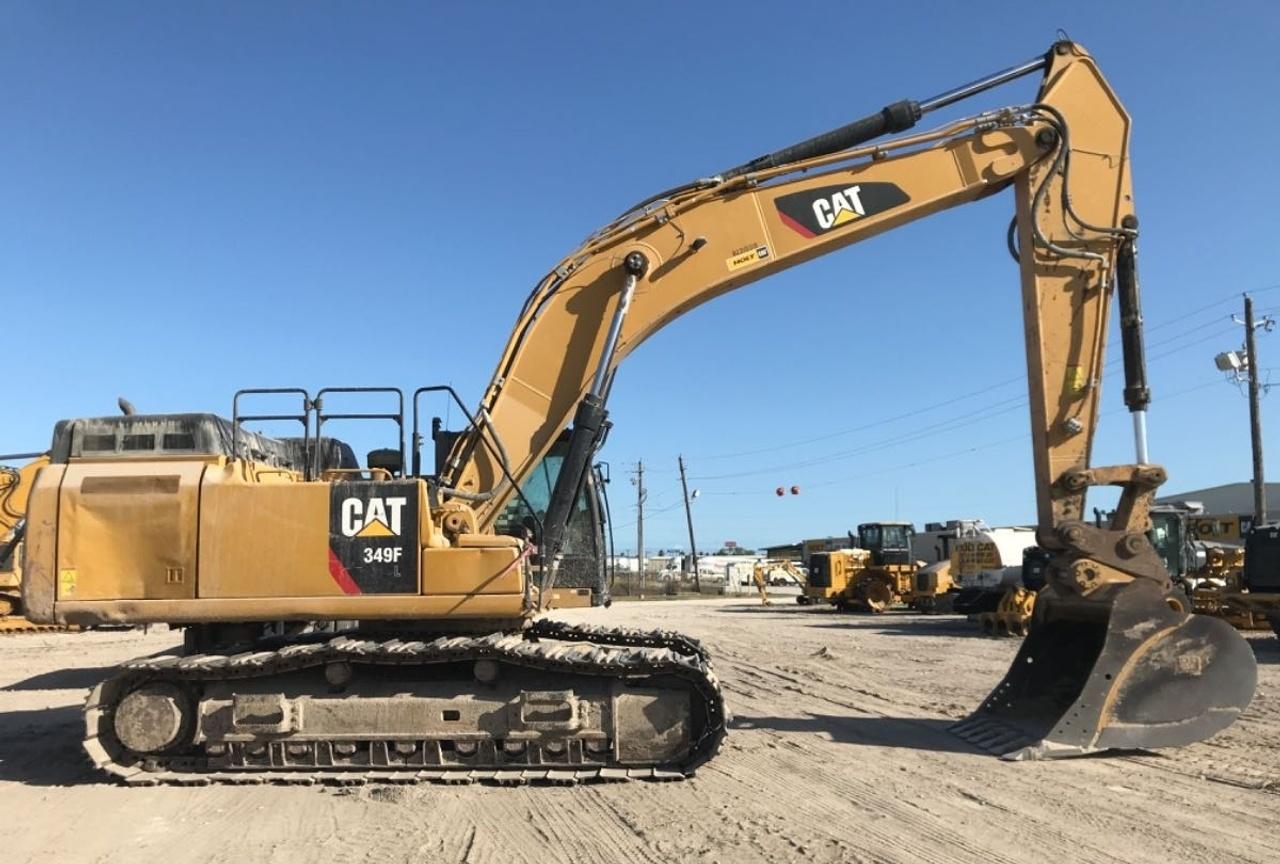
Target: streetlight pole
688,516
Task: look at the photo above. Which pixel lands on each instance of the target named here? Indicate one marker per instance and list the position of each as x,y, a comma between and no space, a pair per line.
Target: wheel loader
886,575
834,575
449,671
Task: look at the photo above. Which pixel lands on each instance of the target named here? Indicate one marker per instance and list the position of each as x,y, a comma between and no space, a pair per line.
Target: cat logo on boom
840,208
817,211
376,517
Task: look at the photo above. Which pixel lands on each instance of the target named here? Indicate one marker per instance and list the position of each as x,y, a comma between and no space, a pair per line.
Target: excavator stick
1123,672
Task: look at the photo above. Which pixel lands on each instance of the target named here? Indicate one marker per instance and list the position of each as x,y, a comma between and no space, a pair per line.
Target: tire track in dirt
886,812
838,756
787,681
594,830
1003,798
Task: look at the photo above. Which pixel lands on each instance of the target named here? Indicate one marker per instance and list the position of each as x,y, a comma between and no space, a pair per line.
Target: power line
1229,298
862,428
978,415
951,455
987,389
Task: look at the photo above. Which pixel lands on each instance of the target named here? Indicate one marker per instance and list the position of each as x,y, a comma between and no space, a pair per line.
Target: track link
546,646
15,625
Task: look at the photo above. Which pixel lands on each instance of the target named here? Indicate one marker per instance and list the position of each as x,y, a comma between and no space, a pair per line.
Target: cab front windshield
580,534
1166,536
883,537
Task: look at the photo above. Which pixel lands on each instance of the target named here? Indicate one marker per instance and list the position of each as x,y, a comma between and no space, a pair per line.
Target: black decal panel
373,537
817,211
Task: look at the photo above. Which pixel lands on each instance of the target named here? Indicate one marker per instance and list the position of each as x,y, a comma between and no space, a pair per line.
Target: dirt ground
838,752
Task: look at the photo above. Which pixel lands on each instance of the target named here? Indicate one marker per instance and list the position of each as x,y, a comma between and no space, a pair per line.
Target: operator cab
888,542
1166,536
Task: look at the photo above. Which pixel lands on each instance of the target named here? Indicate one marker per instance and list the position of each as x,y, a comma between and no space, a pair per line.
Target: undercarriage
553,703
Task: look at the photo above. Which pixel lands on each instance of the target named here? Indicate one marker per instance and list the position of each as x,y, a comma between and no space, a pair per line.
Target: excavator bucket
1125,672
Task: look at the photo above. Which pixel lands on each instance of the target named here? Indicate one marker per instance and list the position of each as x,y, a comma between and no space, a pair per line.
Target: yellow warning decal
1076,383
375,528
66,583
746,256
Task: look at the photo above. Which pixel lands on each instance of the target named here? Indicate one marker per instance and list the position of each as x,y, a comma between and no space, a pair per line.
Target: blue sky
205,196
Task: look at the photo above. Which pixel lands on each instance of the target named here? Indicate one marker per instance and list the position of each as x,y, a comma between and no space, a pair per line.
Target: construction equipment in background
450,674
879,572
933,548
1222,576
15,485
933,589
934,544
1012,615
833,575
1205,557
762,575
1015,606
1204,570
889,579
1227,529
987,567
1259,593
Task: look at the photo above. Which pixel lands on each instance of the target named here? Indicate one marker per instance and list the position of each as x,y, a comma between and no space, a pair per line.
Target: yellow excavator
763,571
450,672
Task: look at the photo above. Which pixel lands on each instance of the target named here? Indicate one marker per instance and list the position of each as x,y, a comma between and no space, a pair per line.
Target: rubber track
575,649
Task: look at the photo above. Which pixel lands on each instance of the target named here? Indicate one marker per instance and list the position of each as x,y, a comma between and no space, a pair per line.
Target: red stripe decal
341,576
795,226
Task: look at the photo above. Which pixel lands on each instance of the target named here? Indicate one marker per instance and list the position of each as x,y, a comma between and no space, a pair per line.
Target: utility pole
640,520
1246,359
1255,418
688,516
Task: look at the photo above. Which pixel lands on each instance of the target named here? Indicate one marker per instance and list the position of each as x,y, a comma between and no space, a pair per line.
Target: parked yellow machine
451,673
833,575
1221,578
989,565
15,486
763,572
884,576
1258,594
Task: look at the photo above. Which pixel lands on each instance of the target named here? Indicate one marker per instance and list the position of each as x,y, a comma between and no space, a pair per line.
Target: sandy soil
838,752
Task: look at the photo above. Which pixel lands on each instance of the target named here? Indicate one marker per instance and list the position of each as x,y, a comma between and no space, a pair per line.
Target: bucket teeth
990,735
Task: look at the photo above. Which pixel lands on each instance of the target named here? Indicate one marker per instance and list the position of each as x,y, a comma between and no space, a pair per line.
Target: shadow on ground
942,625
757,608
43,747
81,678
1266,648
911,733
